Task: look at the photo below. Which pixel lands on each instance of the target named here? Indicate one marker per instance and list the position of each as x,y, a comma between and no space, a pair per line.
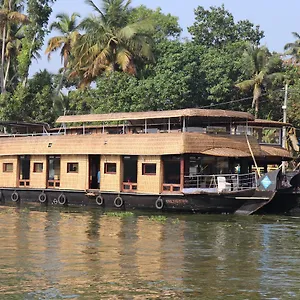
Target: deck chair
222,184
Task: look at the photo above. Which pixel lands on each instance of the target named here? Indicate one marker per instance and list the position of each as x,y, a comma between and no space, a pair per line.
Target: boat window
149,169
72,167
110,168
38,167
7,167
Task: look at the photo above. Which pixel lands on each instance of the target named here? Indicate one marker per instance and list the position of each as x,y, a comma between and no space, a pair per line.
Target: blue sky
277,18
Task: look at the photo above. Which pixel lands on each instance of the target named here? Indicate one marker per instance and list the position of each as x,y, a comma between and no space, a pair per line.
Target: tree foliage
216,27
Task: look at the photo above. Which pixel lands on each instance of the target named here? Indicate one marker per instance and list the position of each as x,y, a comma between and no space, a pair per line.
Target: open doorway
171,179
53,176
94,171
24,170
129,173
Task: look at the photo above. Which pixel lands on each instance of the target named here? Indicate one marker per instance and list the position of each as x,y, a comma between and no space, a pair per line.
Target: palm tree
257,61
111,43
293,49
9,14
12,48
68,27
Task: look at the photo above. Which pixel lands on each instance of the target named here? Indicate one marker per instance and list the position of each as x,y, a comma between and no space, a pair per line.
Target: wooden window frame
70,164
35,169
106,167
144,165
4,167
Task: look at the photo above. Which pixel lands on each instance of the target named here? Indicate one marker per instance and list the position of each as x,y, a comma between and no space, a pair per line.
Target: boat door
24,170
94,171
129,173
172,178
53,171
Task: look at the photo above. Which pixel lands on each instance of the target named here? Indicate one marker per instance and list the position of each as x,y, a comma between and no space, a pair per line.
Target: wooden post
181,172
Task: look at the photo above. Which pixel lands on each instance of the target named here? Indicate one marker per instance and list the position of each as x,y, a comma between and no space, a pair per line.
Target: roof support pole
83,129
183,125
103,127
181,172
284,127
123,128
145,126
169,125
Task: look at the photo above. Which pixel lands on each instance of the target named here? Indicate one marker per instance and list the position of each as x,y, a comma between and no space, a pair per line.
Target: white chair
222,184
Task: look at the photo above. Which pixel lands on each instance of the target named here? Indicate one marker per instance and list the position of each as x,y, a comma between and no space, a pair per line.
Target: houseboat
196,160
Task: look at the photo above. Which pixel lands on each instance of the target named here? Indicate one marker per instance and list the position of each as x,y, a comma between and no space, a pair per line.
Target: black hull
284,201
194,203
201,203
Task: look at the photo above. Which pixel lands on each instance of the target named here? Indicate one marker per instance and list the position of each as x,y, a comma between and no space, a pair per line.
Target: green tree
9,14
34,102
38,12
258,65
111,43
216,27
68,27
165,26
293,49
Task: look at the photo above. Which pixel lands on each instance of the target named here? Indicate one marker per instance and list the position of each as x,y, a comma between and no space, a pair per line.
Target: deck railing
229,182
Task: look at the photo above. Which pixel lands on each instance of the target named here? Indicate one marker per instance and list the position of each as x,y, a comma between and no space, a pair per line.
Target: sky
278,19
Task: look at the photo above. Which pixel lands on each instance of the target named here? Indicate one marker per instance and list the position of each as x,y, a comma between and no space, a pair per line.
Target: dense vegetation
125,58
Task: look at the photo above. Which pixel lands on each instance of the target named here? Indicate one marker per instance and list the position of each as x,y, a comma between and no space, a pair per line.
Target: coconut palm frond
246,84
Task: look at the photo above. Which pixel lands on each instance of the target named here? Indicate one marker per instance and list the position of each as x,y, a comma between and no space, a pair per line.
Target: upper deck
205,123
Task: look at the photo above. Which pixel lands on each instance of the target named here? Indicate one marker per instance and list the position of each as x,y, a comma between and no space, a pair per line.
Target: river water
80,254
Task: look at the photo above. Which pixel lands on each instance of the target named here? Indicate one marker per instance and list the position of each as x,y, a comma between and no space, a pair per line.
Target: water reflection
61,254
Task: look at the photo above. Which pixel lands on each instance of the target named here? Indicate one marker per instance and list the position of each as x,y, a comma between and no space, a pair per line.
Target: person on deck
98,179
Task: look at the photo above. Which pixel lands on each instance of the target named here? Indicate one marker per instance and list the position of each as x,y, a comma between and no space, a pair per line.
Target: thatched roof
130,144
146,115
275,151
267,123
140,144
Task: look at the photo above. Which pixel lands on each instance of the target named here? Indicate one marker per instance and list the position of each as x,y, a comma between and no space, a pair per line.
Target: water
64,254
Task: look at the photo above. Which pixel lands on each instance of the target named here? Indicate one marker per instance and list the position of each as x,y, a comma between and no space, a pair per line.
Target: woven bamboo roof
132,144
128,116
226,152
277,151
267,123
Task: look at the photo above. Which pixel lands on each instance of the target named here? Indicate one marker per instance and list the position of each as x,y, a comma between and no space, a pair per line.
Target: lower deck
168,174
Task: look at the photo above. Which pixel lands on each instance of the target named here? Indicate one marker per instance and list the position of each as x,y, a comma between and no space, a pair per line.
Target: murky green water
87,255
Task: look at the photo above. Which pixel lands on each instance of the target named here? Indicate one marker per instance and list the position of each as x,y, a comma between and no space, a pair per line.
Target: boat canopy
202,114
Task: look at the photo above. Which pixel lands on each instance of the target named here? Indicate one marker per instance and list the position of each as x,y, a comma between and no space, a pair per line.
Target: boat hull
200,203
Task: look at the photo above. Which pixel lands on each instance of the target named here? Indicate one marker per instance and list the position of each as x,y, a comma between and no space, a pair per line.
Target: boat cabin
142,152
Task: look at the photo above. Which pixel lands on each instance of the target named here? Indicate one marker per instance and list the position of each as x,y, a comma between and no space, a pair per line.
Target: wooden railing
24,182
171,188
53,183
129,187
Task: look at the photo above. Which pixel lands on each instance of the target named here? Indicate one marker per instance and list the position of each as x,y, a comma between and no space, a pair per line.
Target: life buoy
14,197
62,199
99,200
159,203
118,202
42,197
